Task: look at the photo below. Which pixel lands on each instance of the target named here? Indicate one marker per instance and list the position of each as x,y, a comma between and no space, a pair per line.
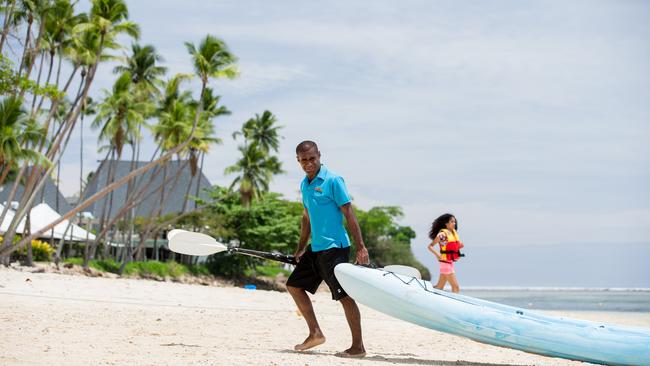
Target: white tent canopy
4,225
42,215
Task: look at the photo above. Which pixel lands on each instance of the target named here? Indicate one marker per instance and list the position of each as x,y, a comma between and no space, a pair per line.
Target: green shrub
74,260
161,269
199,269
100,265
106,265
41,251
268,271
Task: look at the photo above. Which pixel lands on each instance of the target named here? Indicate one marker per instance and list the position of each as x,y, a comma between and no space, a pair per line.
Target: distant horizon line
555,288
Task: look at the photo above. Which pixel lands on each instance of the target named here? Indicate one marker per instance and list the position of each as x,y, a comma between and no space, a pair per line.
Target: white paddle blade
187,242
173,232
404,270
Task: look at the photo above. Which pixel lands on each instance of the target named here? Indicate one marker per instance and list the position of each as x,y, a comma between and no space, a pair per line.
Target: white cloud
255,78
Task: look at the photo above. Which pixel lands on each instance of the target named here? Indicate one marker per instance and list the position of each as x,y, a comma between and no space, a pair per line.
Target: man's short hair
306,146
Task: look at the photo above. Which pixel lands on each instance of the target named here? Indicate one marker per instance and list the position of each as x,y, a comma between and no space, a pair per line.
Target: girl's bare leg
454,282
442,280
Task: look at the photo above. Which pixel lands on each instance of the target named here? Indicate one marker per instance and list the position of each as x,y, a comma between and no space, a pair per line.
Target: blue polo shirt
323,198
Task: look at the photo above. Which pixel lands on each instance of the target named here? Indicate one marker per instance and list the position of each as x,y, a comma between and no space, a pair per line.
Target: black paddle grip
265,255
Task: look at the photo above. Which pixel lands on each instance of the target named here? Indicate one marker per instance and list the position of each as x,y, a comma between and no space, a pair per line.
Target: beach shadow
403,360
419,361
179,345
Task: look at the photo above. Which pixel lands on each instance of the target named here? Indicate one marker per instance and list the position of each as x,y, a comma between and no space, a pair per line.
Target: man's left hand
362,256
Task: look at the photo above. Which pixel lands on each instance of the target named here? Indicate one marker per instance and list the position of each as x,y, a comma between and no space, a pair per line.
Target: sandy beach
56,319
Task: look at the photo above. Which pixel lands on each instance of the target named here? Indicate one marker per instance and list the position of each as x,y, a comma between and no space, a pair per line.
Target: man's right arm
305,231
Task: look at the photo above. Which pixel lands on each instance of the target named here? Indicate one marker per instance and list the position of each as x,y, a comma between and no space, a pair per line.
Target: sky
527,120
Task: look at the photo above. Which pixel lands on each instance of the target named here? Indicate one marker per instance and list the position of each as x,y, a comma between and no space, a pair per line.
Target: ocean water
570,299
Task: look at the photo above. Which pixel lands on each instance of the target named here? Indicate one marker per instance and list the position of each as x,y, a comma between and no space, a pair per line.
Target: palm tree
58,37
145,77
18,135
119,115
108,19
255,171
203,140
204,137
256,167
262,131
33,11
145,73
211,59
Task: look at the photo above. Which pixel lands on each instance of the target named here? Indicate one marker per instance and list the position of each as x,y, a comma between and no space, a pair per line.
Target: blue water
628,300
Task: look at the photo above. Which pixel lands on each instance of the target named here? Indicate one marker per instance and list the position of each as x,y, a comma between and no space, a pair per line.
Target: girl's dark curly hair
440,224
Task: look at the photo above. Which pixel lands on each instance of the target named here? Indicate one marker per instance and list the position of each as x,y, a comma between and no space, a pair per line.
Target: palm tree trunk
129,190
12,194
151,227
58,70
154,231
153,216
47,81
135,201
6,168
30,64
55,102
82,194
198,184
81,156
30,257
62,242
186,197
198,181
27,48
5,26
102,220
38,82
137,197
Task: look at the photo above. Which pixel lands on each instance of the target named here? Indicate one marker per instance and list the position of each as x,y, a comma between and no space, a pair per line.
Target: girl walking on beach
443,232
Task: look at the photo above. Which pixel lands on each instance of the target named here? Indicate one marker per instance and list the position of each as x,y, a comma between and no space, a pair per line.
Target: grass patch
267,271
199,270
100,265
162,269
149,268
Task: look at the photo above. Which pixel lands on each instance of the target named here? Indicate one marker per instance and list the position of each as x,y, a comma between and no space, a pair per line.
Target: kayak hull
416,301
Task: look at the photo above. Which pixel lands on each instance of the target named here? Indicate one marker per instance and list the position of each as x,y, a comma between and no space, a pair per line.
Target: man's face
310,161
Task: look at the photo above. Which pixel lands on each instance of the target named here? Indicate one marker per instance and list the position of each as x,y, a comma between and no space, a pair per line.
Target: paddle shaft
265,255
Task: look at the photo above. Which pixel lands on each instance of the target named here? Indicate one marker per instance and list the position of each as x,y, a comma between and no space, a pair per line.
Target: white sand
54,319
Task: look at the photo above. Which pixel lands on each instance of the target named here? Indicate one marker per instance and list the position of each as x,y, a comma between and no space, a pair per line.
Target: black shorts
316,267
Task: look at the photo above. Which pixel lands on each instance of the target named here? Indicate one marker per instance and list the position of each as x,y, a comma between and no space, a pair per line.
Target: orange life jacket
450,252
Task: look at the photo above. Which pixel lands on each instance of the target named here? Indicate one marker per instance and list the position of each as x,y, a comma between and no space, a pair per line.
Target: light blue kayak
416,301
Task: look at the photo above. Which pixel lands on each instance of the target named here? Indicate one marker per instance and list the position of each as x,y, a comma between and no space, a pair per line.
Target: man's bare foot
311,342
352,353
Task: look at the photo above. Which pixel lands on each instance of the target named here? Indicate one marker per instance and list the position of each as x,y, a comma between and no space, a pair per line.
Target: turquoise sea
570,299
